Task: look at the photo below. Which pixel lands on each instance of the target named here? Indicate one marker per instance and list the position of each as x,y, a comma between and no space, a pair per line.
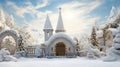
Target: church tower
48,30
60,27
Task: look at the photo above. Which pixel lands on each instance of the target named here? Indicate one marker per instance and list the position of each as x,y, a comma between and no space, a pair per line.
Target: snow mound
91,53
5,55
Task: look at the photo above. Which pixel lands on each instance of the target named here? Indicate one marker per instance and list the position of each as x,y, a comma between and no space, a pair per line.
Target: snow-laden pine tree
20,45
113,19
94,40
117,40
114,52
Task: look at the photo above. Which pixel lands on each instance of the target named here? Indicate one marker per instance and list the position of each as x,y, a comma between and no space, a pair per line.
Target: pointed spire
60,27
48,23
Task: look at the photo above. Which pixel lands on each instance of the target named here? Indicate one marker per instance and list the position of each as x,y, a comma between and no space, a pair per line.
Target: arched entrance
60,44
8,33
60,49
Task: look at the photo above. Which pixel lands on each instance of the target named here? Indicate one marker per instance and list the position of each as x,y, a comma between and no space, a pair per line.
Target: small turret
48,30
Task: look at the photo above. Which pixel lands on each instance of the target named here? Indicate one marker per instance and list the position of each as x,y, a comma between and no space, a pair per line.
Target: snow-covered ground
59,62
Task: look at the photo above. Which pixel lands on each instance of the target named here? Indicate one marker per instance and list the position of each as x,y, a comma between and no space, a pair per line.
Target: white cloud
18,11
45,2
75,15
30,8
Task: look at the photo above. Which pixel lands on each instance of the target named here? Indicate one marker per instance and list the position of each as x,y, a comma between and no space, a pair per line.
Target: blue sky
78,15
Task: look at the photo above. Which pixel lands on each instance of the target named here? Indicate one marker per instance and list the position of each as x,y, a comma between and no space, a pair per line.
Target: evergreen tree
93,39
114,51
117,41
20,44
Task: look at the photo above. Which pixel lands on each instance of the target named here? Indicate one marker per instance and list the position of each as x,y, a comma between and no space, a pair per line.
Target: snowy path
60,62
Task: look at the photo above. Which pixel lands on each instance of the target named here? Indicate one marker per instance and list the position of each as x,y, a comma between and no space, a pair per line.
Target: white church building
58,44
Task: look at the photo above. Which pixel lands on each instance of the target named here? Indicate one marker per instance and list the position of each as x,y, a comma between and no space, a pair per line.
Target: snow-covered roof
48,23
59,35
60,25
99,33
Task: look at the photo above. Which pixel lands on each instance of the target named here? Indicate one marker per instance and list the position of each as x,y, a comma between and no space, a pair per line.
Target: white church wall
60,37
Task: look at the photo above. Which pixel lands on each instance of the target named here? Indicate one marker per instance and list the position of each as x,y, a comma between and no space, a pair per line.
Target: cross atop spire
60,9
60,26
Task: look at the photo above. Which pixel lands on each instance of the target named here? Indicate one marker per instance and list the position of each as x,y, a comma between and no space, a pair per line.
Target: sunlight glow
70,15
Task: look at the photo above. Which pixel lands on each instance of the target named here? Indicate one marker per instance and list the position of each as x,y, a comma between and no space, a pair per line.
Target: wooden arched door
60,49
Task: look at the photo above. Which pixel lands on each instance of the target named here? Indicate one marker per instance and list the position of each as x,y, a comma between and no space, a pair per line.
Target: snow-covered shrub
10,58
4,51
93,53
97,53
90,53
5,55
19,54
